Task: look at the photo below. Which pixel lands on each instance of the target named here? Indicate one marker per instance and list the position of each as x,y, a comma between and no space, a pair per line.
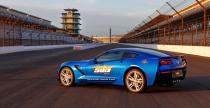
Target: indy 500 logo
103,69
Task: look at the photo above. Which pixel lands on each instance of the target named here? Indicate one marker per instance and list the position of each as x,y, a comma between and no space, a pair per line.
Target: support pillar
182,22
204,21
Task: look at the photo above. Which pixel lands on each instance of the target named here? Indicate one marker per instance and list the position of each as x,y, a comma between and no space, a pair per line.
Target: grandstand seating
19,28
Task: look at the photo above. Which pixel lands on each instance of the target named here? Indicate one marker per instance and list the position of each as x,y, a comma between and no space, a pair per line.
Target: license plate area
177,74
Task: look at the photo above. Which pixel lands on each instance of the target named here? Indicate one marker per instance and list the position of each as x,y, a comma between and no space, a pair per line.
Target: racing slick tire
135,81
66,77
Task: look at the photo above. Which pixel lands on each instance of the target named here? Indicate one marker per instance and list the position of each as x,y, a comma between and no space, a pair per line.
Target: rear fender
150,68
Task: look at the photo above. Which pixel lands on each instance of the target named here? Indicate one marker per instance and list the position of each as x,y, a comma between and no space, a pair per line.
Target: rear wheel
66,77
135,81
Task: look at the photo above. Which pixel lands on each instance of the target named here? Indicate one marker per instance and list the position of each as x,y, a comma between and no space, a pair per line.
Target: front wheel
135,81
66,77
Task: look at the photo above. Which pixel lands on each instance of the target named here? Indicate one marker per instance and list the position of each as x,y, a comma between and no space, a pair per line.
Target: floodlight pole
110,35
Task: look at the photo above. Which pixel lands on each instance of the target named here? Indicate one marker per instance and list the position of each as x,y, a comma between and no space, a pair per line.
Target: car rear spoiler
182,57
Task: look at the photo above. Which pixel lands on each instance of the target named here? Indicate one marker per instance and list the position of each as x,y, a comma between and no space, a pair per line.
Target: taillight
165,62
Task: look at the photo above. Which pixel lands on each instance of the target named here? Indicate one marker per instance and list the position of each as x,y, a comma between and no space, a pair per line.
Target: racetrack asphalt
28,80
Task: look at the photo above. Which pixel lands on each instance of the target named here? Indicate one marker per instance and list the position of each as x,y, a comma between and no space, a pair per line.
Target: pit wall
13,49
193,50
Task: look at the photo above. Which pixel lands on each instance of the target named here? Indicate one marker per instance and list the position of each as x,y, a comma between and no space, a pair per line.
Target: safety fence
13,35
178,22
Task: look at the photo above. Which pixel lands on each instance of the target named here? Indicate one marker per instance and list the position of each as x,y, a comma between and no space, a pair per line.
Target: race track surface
28,80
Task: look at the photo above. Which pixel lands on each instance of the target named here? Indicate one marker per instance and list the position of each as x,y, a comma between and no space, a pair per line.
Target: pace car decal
101,79
103,69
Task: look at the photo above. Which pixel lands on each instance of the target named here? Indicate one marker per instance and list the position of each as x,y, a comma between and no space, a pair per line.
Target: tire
135,81
66,77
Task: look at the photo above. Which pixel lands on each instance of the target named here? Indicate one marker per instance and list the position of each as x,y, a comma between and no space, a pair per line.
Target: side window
130,55
110,56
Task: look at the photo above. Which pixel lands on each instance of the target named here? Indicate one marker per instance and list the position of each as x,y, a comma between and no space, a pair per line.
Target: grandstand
19,28
178,22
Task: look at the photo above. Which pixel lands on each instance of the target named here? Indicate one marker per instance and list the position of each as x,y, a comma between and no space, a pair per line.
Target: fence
13,35
178,22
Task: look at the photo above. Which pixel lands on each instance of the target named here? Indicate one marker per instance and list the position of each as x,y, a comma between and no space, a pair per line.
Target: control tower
71,21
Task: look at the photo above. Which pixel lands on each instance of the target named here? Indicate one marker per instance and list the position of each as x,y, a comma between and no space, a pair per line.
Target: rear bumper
171,76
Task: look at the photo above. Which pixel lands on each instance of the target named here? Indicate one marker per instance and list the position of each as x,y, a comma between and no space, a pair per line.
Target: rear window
155,53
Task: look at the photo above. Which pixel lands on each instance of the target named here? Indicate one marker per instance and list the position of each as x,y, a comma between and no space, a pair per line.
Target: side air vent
82,72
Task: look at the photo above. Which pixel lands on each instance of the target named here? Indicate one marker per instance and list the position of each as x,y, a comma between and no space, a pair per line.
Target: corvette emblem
145,61
178,62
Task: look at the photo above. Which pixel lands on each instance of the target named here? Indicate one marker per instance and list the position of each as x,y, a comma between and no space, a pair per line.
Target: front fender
70,65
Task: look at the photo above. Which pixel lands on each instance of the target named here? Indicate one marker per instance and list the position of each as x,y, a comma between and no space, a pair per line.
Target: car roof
143,50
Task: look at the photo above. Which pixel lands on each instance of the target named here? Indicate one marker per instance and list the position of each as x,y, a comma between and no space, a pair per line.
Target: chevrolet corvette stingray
134,68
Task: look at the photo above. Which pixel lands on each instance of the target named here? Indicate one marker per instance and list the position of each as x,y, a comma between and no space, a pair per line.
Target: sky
97,15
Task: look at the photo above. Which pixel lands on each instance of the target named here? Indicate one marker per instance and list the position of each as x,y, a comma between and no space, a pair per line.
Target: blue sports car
134,68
